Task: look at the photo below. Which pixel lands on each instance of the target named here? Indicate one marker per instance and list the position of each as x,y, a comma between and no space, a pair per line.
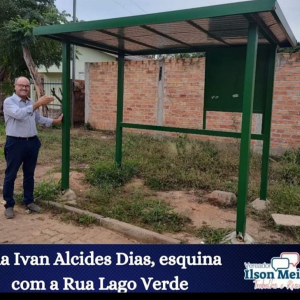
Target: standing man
22,144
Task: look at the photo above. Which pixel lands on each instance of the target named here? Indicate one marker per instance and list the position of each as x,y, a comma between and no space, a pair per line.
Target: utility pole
73,69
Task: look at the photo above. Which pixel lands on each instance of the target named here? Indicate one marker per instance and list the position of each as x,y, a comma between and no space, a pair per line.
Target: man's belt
22,138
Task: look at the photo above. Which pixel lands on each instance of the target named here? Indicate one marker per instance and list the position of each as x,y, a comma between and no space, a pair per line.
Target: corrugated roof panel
93,35
273,25
173,28
226,23
105,39
200,27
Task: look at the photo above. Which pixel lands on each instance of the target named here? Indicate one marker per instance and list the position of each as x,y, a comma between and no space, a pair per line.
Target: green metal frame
165,17
250,10
267,120
246,128
224,88
246,8
65,181
246,136
119,128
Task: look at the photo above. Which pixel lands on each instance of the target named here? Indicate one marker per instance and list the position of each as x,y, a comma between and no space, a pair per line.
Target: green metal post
66,119
120,93
267,123
206,82
204,119
248,96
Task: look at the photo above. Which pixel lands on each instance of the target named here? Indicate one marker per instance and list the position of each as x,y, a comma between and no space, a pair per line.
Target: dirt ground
184,202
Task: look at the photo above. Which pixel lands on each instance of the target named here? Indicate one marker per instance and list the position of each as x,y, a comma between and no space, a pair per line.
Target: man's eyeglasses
23,86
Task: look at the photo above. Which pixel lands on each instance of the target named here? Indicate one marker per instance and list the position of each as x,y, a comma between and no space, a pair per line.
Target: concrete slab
69,196
286,220
259,204
128,230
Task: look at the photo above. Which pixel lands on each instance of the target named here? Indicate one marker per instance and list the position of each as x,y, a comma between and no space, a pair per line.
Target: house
53,75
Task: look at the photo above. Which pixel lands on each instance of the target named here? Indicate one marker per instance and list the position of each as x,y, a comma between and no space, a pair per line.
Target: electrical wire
123,6
138,6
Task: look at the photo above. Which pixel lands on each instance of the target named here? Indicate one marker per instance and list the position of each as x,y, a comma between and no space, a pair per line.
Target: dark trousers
19,152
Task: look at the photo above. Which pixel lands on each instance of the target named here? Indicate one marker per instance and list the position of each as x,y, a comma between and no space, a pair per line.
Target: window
81,75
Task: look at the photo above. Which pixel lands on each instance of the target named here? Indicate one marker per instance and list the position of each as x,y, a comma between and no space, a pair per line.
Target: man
22,144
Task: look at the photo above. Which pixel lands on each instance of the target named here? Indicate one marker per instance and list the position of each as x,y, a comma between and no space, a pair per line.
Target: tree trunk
35,76
3,73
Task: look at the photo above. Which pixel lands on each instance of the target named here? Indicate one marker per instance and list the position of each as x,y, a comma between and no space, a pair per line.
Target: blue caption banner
149,268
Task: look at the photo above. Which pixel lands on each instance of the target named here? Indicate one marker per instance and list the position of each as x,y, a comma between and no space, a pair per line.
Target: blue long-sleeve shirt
20,119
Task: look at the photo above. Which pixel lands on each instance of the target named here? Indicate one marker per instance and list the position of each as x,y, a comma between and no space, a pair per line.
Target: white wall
86,55
54,74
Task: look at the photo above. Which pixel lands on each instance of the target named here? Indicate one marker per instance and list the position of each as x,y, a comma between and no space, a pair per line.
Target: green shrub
109,174
287,172
46,190
2,128
292,156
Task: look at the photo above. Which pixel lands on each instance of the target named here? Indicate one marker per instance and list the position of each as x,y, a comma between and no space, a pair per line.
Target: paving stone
43,228
286,220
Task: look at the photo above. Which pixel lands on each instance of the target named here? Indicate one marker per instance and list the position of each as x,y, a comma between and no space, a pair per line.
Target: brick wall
286,102
79,98
176,99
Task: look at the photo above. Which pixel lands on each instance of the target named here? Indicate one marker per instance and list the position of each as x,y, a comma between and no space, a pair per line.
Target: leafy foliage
17,20
290,49
47,190
190,55
178,55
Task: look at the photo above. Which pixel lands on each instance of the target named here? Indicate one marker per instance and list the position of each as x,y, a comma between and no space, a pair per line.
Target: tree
177,55
21,51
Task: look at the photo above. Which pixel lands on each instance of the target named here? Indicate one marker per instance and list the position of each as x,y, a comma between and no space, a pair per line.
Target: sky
88,10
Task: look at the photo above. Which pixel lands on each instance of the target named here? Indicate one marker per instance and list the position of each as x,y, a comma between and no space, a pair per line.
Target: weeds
86,219
47,190
109,174
79,219
137,208
213,235
2,128
88,126
165,164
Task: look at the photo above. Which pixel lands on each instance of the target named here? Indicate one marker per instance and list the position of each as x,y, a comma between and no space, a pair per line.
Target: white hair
16,80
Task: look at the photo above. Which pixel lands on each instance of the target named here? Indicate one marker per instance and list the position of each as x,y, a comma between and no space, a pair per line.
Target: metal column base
233,238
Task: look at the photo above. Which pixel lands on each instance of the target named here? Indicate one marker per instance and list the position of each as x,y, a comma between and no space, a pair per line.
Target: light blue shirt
20,119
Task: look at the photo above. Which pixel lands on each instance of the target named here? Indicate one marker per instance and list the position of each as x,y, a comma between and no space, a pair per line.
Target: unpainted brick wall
182,99
79,98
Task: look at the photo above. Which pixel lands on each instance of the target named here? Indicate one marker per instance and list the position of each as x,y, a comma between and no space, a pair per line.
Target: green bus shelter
240,41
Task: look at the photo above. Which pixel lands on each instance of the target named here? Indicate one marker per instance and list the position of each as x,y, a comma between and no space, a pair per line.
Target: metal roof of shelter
189,30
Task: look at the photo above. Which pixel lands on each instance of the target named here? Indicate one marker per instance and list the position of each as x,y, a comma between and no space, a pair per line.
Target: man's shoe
33,207
9,213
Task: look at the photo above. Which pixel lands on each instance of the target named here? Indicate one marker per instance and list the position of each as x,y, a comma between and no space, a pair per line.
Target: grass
180,163
136,208
212,235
